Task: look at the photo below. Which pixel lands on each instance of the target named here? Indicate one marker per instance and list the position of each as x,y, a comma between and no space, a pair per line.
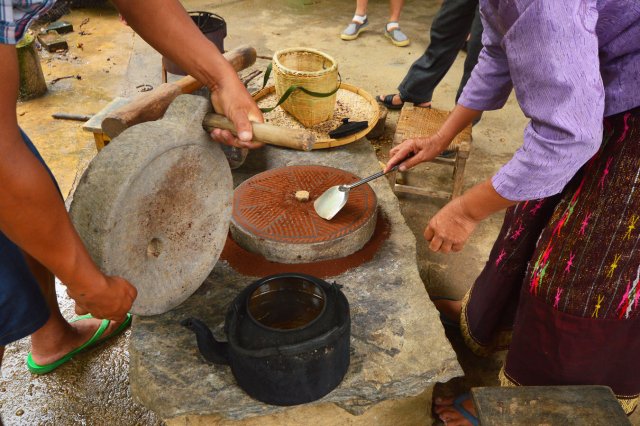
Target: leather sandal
387,101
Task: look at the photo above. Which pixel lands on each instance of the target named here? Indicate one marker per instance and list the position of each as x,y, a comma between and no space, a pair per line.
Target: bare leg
57,337
395,7
451,309
361,7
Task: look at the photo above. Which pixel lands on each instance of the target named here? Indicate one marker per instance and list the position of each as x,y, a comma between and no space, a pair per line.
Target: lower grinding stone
270,220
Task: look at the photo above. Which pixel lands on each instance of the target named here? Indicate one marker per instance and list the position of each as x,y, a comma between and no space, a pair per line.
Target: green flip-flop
95,340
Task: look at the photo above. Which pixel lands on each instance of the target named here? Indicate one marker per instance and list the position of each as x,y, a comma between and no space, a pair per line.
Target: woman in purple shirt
567,256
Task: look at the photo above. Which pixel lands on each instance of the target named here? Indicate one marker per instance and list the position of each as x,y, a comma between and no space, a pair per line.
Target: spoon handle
370,178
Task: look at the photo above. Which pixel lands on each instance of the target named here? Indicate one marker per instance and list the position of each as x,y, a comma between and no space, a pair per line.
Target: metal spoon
333,199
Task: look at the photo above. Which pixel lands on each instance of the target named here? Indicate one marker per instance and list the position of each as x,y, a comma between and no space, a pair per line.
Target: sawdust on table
348,105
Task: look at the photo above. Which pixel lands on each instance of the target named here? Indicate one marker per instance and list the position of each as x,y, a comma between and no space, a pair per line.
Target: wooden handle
266,133
152,105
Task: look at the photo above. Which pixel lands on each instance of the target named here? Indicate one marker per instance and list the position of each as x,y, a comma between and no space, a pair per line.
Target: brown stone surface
270,220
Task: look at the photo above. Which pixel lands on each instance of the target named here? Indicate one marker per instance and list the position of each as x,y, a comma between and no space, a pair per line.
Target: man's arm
33,216
166,26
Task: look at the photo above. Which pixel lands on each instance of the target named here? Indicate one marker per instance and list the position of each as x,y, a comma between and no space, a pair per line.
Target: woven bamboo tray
418,122
326,141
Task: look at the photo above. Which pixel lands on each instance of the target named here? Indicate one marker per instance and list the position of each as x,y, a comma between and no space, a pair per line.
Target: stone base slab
398,345
412,411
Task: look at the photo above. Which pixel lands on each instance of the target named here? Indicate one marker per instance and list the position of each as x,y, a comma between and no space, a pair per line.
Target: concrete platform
399,349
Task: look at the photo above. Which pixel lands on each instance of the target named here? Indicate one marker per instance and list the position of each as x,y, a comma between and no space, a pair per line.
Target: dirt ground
112,61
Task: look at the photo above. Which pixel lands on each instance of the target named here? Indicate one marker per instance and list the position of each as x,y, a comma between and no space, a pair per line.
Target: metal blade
330,202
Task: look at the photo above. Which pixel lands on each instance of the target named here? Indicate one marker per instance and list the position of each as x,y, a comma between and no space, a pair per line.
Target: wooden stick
75,117
266,133
152,105
246,80
55,80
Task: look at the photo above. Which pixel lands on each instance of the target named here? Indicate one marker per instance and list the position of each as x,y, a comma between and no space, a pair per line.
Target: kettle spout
210,349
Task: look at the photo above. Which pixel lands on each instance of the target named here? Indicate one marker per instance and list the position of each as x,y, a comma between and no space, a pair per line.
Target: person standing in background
456,21
392,30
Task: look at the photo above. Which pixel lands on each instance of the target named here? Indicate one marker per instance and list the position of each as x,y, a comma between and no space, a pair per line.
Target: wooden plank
458,176
548,405
420,122
443,161
94,125
408,189
101,140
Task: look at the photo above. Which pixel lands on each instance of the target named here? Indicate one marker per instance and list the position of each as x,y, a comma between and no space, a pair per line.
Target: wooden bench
421,122
94,125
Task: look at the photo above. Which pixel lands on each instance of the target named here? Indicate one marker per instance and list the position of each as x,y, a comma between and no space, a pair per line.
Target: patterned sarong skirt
561,288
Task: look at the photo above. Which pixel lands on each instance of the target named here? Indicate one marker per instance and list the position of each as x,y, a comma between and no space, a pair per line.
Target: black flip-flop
387,101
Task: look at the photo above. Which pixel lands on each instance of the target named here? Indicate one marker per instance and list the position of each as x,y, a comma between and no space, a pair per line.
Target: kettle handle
211,349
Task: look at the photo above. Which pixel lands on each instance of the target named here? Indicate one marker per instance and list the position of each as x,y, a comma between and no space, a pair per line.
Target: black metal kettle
287,338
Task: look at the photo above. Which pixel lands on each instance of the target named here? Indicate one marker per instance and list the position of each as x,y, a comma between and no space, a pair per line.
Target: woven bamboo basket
315,71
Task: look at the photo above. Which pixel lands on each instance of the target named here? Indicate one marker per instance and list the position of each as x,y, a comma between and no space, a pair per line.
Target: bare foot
396,100
451,309
47,349
450,415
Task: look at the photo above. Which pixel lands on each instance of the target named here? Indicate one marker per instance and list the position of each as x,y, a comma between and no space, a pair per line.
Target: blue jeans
23,308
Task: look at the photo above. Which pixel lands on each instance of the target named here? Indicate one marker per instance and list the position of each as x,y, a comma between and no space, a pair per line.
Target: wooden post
32,83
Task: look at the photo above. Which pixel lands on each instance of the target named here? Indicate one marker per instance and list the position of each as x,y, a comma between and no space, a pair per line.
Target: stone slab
548,405
154,206
412,411
398,345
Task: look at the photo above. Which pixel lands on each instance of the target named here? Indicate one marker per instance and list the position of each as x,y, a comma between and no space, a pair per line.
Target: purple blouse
571,63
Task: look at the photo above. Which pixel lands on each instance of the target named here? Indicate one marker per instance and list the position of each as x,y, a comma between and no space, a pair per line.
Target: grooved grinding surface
266,206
